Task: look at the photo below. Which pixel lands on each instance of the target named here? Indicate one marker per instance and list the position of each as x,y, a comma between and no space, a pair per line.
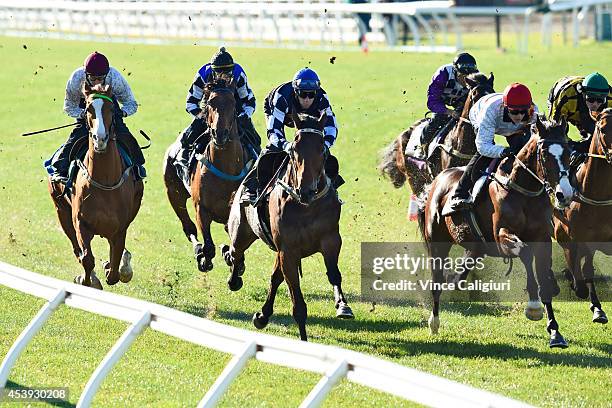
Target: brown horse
587,221
304,211
514,210
458,148
218,174
106,195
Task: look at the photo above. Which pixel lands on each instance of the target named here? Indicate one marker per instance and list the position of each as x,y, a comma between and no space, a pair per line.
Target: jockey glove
507,152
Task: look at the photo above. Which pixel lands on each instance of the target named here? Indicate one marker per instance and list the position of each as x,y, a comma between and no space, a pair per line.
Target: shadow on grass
56,402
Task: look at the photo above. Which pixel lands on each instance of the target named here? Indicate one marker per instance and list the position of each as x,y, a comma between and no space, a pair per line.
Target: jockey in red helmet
95,71
508,114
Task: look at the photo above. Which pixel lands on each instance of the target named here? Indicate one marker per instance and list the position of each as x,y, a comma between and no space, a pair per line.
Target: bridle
111,128
292,168
209,129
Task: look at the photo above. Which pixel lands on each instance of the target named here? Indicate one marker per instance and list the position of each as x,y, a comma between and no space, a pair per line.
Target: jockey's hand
452,113
200,115
507,152
287,147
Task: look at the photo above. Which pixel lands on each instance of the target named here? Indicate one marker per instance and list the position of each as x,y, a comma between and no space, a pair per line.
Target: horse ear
296,120
540,125
471,82
322,119
491,79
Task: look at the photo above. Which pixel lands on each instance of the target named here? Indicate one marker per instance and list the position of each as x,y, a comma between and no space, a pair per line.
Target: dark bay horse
587,222
217,175
458,148
513,211
106,195
304,212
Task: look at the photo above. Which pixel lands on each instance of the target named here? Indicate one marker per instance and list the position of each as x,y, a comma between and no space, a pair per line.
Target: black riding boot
437,122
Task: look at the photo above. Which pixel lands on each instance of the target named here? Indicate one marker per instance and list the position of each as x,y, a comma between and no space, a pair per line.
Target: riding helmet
96,64
306,80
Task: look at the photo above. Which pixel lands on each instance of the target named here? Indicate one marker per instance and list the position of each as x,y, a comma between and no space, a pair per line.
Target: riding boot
249,135
437,121
461,199
60,162
250,188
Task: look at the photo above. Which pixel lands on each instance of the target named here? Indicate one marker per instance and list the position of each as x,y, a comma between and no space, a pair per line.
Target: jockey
95,71
302,95
576,99
447,87
220,68
509,114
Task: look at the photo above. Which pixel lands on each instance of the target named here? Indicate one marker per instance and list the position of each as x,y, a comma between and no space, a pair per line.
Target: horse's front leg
84,236
117,247
260,319
588,271
534,309
330,248
290,264
543,262
205,257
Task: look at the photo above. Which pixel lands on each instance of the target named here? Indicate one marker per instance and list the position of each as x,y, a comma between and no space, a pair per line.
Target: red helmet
517,96
96,64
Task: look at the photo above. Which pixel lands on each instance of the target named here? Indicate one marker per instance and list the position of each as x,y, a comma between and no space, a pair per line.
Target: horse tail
391,164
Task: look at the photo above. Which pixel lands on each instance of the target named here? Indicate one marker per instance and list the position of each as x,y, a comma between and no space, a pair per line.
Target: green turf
374,96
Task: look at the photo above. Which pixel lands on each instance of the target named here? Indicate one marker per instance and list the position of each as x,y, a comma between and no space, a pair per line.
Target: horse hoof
95,282
260,321
344,312
434,324
599,316
78,280
557,340
205,264
534,310
235,284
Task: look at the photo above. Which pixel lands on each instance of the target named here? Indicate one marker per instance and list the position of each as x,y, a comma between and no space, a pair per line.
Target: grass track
374,96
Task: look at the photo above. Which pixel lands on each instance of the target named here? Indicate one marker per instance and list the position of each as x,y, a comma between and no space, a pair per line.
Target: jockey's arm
124,95
247,98
485,138
276,122
435,102
331,127
74,94
195,95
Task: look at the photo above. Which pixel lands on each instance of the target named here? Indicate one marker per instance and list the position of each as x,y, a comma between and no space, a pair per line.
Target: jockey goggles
516,112
595,98
92,78
306,94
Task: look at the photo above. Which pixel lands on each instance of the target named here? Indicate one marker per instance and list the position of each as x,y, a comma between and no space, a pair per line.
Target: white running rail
333,362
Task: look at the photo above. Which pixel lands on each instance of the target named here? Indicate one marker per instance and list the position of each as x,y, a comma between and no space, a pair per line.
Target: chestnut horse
513,211
304,212
218,174
458,148
588,220
106,195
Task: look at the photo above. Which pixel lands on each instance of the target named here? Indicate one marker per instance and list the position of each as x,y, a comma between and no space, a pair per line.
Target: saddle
416,150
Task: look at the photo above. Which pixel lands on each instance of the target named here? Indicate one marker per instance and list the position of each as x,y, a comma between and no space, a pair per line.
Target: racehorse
217,175
457,149
106,195
303,212
513,215
582,227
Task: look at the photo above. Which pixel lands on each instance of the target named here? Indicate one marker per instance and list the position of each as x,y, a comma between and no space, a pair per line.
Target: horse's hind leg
599,316
437,250
260,319
178,195
289,266
241,237
117,247
330,248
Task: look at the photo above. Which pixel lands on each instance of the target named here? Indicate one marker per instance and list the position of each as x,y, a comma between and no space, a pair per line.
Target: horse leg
64,214
534,309
437,250
543,264
88,262
260,319
330,248
117,247
599,316
178,195
241,237
289,266
207,254
578,283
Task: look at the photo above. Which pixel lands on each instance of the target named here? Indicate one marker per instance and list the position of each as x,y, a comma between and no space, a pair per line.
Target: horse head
478,85
307,155
603,134
220,112
99,108
552,158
